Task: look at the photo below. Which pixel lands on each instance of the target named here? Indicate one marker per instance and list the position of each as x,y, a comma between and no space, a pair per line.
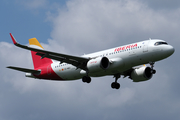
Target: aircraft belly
157,55
141,58
133,60
69,74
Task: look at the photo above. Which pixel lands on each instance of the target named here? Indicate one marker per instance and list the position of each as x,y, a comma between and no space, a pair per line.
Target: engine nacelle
98,64
141,74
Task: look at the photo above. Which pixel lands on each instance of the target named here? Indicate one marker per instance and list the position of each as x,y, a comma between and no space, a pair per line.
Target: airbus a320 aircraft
119,61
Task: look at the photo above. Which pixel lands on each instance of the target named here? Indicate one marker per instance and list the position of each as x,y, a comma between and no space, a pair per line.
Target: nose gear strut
152,67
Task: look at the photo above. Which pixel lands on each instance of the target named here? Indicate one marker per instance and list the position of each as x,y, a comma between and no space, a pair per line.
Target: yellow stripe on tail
34,41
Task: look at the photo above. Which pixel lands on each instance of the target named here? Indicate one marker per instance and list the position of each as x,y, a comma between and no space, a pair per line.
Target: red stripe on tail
38,62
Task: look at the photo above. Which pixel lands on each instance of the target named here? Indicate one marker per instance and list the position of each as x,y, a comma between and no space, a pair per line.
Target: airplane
127,60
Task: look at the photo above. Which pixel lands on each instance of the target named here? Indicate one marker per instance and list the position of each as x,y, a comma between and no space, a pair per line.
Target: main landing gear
86,79
116,85
152,67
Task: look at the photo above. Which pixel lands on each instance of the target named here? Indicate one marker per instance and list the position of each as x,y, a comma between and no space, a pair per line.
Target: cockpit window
160,43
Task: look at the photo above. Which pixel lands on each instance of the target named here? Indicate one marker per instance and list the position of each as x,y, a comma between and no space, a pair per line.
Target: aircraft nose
170,50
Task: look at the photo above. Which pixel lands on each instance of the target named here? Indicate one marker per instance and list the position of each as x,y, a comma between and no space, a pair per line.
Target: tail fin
37,60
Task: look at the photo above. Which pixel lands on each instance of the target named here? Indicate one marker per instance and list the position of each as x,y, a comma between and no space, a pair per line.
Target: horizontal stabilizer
25,70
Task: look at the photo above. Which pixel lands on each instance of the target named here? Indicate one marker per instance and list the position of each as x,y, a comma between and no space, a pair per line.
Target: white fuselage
121,58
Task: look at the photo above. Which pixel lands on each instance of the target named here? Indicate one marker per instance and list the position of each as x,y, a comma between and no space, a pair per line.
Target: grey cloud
162,4
104,24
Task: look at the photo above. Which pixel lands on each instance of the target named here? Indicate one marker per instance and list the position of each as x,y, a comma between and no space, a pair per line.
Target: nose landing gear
152,67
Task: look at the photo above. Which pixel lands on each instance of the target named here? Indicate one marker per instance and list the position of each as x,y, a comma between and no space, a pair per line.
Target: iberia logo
125,47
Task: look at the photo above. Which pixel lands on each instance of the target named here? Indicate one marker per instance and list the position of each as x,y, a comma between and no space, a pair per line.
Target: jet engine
98,64
141,74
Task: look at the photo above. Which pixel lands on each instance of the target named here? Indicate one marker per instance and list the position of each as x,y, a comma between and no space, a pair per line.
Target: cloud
108,23
89,26
162,4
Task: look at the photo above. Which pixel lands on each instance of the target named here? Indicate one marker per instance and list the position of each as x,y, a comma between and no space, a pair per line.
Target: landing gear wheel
153,71
115,85
86,79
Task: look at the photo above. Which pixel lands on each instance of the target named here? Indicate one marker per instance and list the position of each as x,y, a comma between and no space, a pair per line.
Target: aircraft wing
79,62
24,70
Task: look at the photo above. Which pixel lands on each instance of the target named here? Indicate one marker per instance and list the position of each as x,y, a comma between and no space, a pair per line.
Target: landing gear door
145,46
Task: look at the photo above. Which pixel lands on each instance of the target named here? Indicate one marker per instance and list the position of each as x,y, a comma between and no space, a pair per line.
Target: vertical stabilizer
37,60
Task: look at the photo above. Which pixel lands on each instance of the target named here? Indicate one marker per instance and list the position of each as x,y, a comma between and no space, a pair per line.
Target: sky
78,27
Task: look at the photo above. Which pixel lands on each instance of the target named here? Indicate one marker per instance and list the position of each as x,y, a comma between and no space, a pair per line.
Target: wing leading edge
79,62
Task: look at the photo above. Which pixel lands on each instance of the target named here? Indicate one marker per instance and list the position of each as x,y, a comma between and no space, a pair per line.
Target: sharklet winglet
13,39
